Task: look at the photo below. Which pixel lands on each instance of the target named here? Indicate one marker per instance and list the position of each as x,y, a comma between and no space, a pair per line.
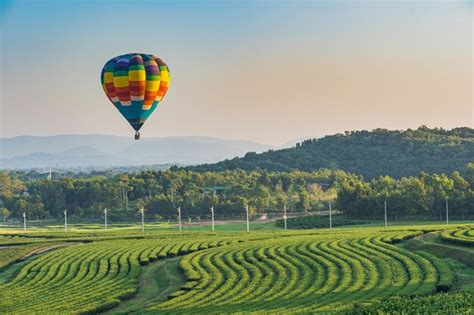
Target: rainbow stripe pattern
135,84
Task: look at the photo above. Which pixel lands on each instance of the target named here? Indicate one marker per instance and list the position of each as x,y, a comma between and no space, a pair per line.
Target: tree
303,201
160,205
353,197
470,174
441,188
414,196
35,206
5,214
20,207
10,185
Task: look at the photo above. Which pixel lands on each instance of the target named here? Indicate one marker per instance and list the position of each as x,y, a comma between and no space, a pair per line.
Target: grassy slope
459,258
434,245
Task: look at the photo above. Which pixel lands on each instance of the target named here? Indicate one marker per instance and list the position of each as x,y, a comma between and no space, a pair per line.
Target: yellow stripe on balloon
120,82
108,77
165,76
152,85
137,75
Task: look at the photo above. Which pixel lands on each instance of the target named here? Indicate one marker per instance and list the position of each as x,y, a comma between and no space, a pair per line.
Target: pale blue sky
268,71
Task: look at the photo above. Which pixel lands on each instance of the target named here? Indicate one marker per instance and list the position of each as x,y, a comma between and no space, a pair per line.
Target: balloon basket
137,135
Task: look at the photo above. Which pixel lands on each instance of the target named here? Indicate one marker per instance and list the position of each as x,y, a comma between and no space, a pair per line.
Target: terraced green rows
462,236
285,272
88,277
304,274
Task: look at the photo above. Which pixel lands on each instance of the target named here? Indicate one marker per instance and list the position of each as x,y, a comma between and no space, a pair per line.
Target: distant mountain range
64,151
369,153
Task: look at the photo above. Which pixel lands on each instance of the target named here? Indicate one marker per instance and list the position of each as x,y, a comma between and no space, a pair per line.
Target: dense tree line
368,153
159,193
423,196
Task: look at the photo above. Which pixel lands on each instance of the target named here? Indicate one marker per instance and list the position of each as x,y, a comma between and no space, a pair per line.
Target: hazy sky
269,71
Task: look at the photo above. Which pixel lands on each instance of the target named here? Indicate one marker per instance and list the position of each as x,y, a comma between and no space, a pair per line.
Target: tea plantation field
358,270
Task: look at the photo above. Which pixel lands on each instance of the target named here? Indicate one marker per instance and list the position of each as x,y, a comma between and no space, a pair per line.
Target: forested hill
369,153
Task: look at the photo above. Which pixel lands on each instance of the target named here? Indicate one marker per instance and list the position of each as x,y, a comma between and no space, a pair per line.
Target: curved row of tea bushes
460,236
90,277
305,273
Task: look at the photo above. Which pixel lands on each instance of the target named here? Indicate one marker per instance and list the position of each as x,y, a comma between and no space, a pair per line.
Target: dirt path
157,281
43,250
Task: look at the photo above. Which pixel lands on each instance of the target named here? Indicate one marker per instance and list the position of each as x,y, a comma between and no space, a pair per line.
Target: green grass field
356,270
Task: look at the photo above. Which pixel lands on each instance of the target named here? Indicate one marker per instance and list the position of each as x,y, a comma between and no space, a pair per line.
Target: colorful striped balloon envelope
135,84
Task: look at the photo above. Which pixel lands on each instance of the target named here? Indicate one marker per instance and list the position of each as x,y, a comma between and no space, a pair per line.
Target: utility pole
24,222
385,213
179,218
330,216
142,210
65,220
212,217
447,211
105,218
247,212
284,216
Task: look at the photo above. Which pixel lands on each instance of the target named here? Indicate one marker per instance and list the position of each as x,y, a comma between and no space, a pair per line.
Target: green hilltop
396,153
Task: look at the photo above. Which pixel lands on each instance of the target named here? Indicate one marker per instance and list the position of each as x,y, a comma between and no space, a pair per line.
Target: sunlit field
161,270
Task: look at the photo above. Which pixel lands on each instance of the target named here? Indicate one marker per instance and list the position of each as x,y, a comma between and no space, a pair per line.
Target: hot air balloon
135,84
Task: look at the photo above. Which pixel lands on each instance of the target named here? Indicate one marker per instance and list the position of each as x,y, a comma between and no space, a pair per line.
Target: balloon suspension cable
137,135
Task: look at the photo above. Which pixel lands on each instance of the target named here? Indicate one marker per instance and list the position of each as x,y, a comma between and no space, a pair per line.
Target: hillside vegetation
369,153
